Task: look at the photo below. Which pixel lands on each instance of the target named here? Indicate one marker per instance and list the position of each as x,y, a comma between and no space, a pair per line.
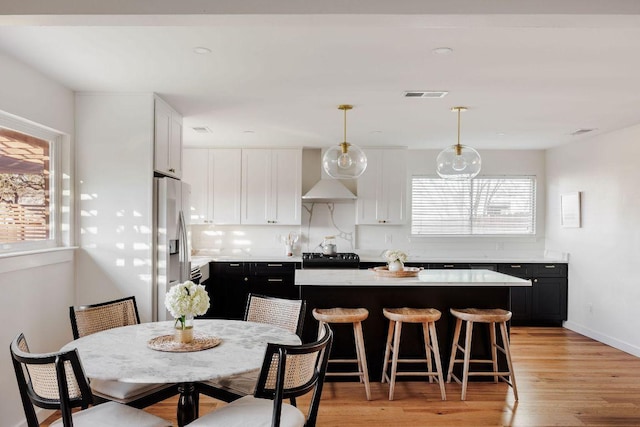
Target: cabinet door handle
516,266
246,279
234,265
549,266
172,170
274,280
535,280
447,266
274,265
382,221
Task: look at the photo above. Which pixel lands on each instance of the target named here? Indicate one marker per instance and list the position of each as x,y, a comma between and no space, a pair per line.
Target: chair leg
427,347
387,349
507,351
358,355
394,361
436,355
320,327
467,359
454,348
362,359
494,349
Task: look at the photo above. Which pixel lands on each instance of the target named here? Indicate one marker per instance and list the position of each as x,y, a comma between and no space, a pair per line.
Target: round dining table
123,354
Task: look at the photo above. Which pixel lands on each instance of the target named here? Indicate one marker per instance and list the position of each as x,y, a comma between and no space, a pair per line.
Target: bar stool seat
491,316
427,317
355,316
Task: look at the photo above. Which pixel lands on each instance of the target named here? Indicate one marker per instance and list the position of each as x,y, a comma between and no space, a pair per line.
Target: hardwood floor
564,379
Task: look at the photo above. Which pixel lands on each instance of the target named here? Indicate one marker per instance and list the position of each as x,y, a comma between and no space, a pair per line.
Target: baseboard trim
606,339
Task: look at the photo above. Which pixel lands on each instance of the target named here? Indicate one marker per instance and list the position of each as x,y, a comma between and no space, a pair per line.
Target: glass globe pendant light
345,160
458,161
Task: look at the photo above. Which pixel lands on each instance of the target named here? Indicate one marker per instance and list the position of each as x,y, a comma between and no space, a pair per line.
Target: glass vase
184,332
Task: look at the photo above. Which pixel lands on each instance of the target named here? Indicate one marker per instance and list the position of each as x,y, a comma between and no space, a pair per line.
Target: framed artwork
570,209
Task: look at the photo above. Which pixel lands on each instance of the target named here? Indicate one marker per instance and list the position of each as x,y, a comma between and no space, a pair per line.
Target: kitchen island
440,289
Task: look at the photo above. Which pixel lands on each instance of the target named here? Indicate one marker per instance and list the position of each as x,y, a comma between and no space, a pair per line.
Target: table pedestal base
188,404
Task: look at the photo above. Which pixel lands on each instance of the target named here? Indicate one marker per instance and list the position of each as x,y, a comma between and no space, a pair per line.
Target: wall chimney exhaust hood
328,190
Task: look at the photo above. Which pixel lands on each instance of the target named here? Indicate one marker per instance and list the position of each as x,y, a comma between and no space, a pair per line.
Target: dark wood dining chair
288,371
57,381
285,313
89,319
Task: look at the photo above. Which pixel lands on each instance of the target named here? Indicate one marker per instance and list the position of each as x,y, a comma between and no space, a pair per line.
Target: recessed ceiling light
442,51
201,50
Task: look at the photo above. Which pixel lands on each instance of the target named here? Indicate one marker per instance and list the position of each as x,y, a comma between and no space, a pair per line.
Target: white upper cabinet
382,187
168,140
215,178
271,186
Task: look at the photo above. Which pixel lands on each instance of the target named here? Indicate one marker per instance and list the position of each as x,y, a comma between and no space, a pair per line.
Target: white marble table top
122,353
445,277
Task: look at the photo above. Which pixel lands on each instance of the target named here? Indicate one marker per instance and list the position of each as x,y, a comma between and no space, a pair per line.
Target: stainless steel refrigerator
172,242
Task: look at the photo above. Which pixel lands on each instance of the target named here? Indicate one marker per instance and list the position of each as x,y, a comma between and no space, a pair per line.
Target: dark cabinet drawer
523,271
230,268
550,270
449,265
462,266
272,268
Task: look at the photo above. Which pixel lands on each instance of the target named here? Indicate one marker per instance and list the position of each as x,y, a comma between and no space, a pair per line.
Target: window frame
527,236
55,140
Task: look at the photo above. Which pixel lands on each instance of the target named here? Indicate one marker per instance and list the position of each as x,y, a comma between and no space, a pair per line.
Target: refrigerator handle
185,268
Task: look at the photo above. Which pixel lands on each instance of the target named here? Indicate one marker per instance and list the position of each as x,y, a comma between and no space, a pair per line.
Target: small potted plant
395,260
184,301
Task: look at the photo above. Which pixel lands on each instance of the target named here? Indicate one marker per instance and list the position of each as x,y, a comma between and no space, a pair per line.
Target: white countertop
446,277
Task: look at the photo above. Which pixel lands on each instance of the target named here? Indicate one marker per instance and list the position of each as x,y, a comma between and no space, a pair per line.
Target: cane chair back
57,381
89,319
285,313
288,371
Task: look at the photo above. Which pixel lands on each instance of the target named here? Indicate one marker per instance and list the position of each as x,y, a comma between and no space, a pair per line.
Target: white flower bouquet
395,255
186,299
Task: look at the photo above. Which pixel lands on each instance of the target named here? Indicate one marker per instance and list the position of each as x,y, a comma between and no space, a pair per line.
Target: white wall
37,290
604,288
115,190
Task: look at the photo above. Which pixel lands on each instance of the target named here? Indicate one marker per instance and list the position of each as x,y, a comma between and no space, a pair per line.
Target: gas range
339,260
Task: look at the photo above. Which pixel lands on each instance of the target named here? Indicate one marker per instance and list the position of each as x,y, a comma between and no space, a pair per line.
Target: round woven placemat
167,343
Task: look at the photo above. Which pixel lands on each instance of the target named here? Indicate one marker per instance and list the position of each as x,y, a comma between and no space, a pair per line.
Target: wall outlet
388,238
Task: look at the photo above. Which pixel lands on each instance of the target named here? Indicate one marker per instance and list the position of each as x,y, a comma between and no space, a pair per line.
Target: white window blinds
484,206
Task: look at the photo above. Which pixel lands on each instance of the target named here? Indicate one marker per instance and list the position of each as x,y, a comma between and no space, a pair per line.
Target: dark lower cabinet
545,302
230,283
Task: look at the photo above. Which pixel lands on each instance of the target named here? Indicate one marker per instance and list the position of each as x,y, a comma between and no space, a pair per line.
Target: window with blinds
481,206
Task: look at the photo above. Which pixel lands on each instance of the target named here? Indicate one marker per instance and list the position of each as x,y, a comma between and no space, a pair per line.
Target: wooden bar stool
490,316
428,318
355,316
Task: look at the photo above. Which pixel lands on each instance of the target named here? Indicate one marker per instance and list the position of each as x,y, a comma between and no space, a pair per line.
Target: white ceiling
276,80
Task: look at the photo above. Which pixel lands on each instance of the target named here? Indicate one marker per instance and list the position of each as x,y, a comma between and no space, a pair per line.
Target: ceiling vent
201,129
425,94
581,132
